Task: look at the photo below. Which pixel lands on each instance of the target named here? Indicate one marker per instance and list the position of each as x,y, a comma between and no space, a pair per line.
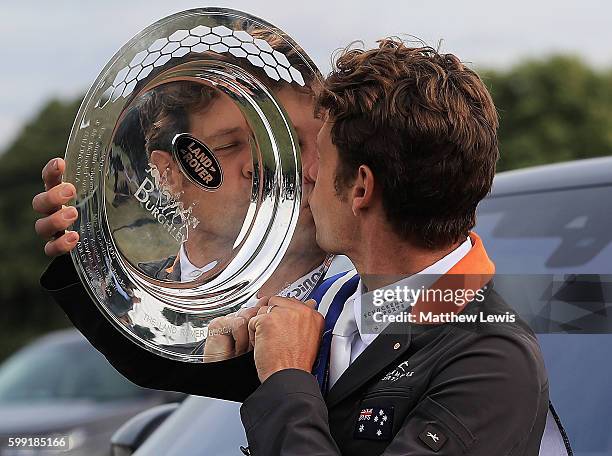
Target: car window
51,372
567,231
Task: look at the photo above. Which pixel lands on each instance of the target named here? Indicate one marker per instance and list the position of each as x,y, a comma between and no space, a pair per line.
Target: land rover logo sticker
197,162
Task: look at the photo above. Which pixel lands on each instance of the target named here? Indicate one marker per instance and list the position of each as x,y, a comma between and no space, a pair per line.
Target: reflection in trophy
203,219
191,188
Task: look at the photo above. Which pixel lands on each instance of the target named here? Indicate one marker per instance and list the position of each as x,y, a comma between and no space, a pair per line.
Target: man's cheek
306,191
312,195
314,207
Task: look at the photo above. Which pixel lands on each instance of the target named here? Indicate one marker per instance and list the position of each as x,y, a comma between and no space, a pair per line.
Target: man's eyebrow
224,132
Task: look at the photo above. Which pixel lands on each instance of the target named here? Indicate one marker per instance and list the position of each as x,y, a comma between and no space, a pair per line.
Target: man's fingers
62,244
271,308
53,199
247,312
233,328
219,343
263,310
52,173
253,323
240,331
50,203
222,327
262,302
47,227
287,302
311,303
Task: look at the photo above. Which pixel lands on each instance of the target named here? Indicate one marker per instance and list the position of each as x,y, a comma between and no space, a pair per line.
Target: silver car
60,387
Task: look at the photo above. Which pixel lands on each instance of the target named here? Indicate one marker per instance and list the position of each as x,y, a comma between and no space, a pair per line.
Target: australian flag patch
374,423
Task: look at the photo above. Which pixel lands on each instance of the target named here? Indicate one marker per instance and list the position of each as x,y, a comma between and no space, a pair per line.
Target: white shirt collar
189,271
424,278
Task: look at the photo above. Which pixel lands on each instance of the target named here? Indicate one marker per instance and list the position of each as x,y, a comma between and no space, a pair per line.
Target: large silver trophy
188,175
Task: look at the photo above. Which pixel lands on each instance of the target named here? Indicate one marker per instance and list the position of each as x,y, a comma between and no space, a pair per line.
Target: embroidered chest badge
400,371
374,423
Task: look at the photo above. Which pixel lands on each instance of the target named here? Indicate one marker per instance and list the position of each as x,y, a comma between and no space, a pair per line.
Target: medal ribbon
321,366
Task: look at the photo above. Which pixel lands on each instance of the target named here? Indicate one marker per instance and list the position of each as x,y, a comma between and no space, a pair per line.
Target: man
407,151
418,127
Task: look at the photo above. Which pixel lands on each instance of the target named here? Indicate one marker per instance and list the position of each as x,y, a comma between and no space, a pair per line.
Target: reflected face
222,127
220,213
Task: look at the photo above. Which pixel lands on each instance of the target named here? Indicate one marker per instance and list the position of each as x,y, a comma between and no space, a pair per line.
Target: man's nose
247,167
310,167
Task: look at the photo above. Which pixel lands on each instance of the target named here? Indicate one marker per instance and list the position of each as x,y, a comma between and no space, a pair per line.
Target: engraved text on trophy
164,206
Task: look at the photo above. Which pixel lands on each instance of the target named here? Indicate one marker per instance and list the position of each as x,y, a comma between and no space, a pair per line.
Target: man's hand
228,336
285,337
57,217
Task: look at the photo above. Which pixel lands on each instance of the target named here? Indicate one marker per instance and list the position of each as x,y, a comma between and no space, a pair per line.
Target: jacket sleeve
490,398
233,379
288,416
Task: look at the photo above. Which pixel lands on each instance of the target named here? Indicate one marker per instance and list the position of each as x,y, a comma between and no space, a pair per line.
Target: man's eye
226,147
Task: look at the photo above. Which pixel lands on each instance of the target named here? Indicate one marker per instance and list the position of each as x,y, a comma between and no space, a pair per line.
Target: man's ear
166,165
362,193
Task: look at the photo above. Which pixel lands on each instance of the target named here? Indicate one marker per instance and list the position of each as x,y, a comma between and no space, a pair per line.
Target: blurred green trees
26,311
553,110
550,110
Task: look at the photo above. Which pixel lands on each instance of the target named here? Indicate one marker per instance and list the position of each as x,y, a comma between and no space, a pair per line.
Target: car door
553,254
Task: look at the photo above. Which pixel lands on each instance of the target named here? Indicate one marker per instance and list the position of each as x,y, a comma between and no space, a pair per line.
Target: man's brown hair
426,126
165,111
